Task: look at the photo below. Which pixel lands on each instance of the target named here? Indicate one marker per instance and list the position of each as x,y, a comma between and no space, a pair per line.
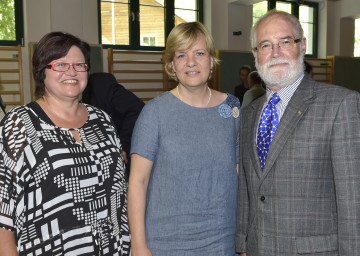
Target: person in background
104,92
256,88
302,196
62,178
308,68
241,88
183,178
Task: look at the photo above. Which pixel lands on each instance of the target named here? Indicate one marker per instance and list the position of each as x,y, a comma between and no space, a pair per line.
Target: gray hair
298,30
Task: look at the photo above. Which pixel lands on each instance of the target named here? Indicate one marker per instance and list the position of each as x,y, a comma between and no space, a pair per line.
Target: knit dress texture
191,198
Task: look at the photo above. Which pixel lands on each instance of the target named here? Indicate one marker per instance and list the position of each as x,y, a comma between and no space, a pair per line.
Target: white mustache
277,61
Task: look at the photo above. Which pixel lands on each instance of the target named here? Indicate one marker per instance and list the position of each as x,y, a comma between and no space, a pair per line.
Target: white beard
281,77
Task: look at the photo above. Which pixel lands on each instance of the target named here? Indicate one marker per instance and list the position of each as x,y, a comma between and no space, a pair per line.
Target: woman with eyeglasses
62,184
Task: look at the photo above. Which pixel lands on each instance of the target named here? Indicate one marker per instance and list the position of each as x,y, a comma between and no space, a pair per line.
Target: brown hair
255,77
52,46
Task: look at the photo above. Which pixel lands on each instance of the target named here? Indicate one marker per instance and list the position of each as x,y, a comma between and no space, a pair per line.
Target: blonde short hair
182,37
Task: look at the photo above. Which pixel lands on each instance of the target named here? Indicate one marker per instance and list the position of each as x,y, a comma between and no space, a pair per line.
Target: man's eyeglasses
283,44
63,67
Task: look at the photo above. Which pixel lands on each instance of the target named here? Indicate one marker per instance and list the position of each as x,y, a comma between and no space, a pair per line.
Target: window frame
19,26
134,26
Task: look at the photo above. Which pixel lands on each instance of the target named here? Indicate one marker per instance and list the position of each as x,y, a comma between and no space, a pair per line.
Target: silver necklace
178,93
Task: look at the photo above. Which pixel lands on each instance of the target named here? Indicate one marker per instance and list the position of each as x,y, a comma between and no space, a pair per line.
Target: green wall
231,61
347,72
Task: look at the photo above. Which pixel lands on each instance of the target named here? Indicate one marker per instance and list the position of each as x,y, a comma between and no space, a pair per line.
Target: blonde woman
183,178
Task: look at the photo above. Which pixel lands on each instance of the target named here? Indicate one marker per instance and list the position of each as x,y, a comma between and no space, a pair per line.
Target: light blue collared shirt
285,95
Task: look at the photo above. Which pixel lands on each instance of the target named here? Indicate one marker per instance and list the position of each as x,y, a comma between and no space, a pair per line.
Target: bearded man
299,177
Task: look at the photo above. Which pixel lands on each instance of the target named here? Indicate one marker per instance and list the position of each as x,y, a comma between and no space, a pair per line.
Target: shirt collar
285,93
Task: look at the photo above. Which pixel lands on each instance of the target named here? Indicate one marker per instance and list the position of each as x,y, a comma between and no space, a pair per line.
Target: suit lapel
297,107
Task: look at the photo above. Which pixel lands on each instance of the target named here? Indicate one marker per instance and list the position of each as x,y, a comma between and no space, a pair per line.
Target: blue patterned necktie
267,128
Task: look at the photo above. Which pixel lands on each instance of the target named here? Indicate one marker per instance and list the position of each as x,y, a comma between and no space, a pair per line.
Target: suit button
262,198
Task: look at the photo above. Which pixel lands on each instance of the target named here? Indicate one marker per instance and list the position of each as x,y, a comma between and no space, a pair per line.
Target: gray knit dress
191,198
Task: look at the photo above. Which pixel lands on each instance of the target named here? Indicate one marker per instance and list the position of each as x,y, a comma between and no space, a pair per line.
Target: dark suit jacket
239,91
123,106
307,198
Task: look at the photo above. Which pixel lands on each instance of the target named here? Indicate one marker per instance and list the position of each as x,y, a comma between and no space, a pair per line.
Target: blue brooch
230,108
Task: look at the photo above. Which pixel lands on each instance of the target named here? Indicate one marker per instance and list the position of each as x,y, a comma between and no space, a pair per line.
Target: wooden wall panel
323,69
11,76
141,72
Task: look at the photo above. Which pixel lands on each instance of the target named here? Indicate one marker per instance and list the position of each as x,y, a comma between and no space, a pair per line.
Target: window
259,9
282,6
143,24
306,12
357,38
11,22
149,40
307,20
